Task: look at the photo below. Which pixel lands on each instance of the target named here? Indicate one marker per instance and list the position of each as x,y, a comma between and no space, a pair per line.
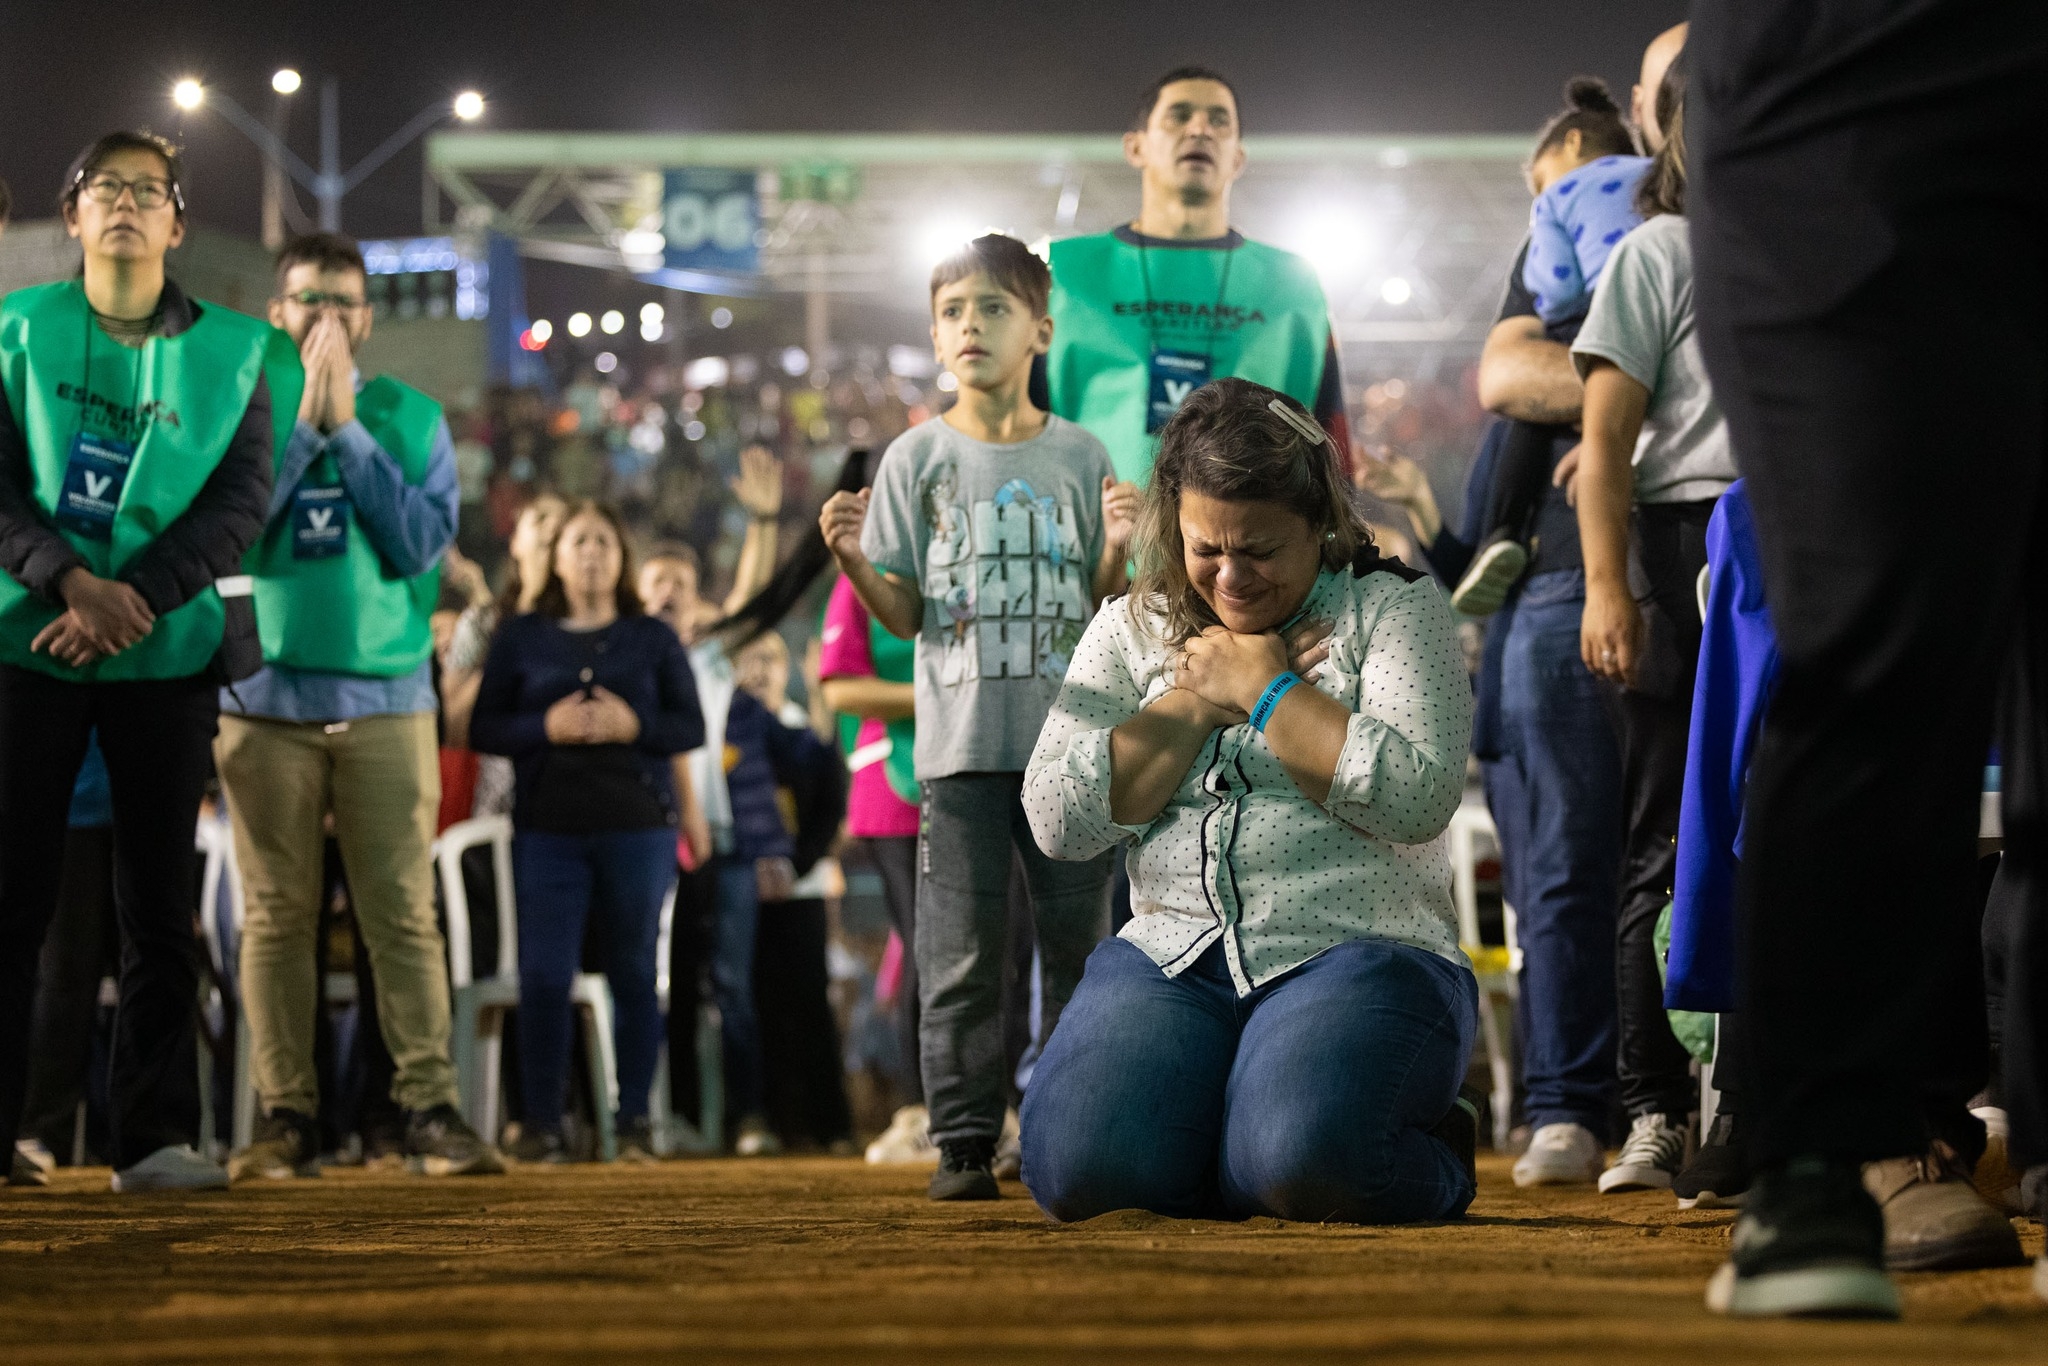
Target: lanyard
1215,314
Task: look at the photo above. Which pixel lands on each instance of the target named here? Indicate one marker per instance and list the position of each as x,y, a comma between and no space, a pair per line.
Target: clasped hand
1228,670
602,718
102,617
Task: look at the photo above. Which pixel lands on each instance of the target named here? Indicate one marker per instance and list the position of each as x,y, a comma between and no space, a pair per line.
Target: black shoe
539,1147
439,1142
1809,1244
2034,1194
1459,1130
1717,1177
966,1170
286,1144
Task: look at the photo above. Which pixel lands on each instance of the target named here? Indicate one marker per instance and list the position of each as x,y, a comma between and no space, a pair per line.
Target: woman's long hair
1662,189
786,587
554,598
1227,442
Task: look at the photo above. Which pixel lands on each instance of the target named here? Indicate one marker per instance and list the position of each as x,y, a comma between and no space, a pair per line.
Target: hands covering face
329,400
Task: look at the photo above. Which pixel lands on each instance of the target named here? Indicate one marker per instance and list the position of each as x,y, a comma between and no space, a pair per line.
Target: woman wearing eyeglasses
136,444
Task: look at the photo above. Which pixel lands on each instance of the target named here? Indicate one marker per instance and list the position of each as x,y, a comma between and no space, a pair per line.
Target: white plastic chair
479,1006
1498,973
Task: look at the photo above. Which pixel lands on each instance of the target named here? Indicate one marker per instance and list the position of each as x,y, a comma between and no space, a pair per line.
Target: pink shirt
873,810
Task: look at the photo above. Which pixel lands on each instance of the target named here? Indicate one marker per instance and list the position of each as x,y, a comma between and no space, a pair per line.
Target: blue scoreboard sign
711,220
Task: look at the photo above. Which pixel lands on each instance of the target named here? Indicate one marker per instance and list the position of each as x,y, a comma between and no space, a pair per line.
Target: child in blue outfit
1584,176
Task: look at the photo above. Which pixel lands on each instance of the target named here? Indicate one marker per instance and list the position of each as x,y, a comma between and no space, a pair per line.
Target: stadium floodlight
469,106
643,242
188,94
286,81
652,312
543,330
1332,242
613,322
942,237
579,324
1396,290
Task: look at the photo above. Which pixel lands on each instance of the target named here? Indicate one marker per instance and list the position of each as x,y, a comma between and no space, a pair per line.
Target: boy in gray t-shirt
990,535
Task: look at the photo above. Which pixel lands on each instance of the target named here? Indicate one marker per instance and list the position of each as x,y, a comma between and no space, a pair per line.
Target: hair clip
1309,430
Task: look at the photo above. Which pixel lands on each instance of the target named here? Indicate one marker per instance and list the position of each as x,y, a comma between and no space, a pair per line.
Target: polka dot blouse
1240,852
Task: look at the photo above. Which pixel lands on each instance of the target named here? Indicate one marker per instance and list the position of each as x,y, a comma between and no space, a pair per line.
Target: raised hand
1387,475
840,521
758,485
1120,504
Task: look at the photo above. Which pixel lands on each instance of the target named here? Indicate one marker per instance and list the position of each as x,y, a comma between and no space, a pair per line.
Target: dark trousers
1897,485
1667,550
896,860
78,951
803,1075
157,737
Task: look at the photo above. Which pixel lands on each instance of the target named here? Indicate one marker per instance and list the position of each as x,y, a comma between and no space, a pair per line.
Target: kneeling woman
1283,1026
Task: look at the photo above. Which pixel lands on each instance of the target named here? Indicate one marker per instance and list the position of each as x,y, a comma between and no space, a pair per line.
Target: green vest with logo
340,609
1252,311
120,441
895,662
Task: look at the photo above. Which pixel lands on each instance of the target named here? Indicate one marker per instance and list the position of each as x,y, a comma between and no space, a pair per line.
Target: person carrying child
990,534
1584,175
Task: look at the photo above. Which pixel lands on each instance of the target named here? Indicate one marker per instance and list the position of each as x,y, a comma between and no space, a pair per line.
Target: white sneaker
907,1142
756,1139
1009,1160
174,1167
1651,1157
1560,1155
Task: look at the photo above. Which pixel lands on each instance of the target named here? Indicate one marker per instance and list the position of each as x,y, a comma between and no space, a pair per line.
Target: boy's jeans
970,824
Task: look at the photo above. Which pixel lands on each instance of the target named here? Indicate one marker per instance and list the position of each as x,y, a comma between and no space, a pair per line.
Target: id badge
93,480
1175,375
319,522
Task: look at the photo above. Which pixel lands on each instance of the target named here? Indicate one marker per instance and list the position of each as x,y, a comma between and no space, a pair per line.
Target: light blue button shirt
409,525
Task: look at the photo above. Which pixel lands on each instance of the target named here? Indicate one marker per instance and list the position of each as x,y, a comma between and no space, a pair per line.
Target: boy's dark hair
554,599
1149,101
1662,189
1008,262
326,250
677,551
6,201
1590,110
125,140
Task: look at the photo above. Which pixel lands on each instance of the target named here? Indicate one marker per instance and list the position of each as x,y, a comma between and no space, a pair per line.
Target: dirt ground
829,1260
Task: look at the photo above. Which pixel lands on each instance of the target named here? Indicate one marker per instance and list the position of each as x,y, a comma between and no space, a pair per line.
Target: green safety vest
177,401
1266,321
347,613
895,662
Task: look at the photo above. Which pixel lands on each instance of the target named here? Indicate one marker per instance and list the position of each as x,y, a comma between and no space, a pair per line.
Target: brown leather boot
1934,1219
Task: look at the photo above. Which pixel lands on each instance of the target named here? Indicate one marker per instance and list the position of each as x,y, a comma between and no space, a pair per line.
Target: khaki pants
381,778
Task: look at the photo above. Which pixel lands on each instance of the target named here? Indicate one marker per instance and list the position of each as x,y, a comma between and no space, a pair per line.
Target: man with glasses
136,443
340,721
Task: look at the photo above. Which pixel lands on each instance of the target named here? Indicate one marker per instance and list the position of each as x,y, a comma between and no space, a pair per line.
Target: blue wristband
1270,699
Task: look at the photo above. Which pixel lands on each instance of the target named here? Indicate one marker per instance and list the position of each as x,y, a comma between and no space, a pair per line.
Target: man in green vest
136,442
1149,312
341,722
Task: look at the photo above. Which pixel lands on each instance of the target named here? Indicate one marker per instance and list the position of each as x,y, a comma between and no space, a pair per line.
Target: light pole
328,184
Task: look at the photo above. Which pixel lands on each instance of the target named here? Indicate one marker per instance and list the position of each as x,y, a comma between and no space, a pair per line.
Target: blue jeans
1566,877
1309,1099
732,983
617,879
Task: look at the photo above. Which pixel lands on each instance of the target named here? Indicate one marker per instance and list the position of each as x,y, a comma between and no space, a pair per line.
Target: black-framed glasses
150,192
316,299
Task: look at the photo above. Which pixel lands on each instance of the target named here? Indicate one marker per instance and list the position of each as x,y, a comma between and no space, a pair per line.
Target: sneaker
27,1166
907,1142
287,1144
1809,1244
439,1142
1009,1159
756,1139
1459,1131
1934,1219
173,1167
636,1141
965,1171
1560,1155
538,1147
1649,1159
1495,567
1718,1174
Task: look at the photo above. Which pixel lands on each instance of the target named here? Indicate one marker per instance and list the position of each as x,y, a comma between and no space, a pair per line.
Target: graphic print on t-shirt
1006,579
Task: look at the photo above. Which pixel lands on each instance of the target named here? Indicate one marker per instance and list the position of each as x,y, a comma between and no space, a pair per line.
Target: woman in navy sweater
589,698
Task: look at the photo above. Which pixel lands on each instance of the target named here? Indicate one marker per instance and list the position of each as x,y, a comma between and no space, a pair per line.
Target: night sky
69,71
